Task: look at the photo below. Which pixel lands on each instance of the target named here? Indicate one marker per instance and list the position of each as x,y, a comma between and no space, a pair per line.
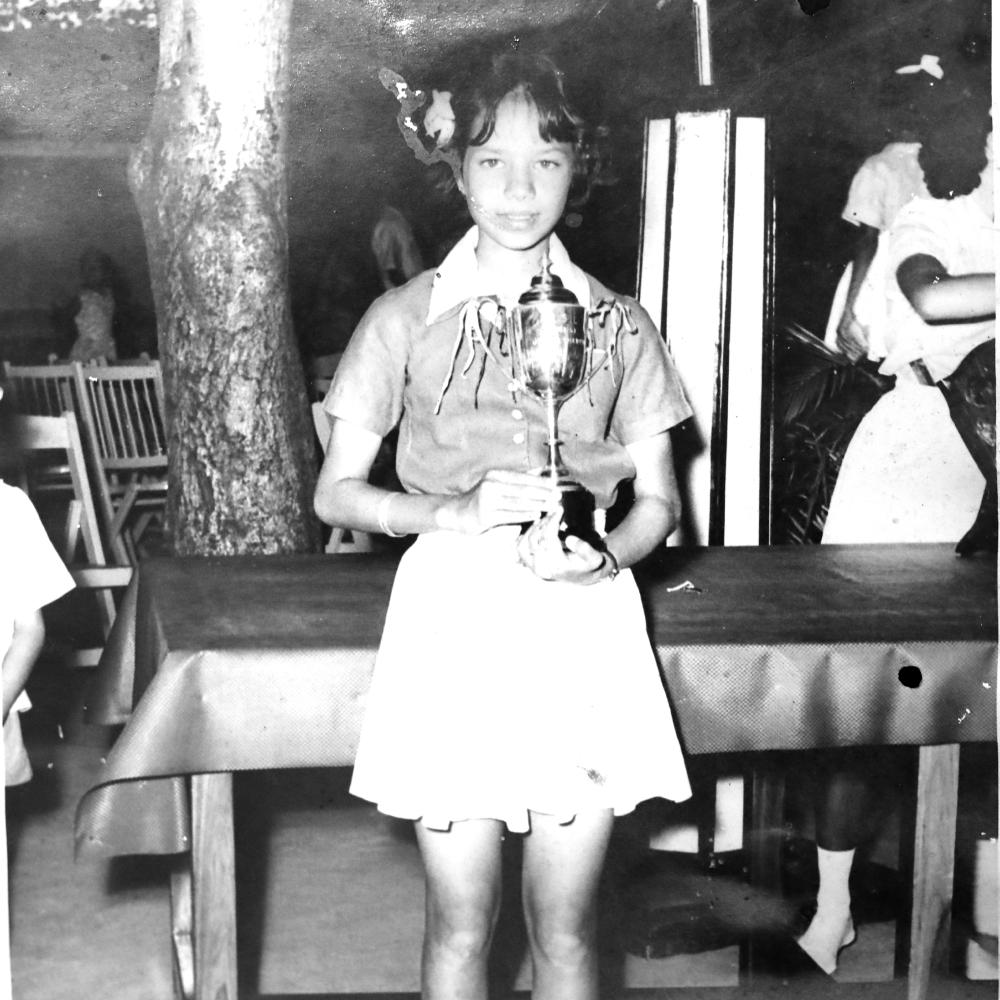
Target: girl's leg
562,869
462,869
842,805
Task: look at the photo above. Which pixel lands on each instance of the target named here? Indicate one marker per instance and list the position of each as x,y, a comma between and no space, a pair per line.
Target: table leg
182,927
933,865
214,886
764,849
767,828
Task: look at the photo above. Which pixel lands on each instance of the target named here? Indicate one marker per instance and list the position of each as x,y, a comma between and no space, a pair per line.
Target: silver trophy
552,345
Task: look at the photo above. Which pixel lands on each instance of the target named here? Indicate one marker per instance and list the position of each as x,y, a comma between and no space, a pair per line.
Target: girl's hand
851,337
500,497
545,554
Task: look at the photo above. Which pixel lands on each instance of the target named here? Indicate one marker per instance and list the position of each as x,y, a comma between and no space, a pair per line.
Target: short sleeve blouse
958,234
31,572
885,183
397,362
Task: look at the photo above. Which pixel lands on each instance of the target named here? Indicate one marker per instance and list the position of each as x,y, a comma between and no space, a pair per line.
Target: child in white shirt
31,576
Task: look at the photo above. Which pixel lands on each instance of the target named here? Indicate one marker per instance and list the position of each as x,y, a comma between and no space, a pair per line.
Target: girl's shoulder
403,305
599,292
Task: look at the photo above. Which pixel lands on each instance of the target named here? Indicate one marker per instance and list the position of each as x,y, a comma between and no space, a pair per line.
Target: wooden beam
65,150
933,865
214,887
704,41
90,577
745,389
655,205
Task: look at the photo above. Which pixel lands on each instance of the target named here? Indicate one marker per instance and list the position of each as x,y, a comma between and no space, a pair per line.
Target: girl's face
516,183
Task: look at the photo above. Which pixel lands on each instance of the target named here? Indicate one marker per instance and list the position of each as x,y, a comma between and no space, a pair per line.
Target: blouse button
518,439
516,414
512,387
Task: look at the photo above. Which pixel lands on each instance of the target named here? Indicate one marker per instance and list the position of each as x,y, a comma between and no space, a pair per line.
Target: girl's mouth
518,220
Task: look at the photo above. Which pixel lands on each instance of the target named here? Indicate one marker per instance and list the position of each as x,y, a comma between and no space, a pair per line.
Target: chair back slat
150,403
137,438
134,462
126,404
41,390
122,410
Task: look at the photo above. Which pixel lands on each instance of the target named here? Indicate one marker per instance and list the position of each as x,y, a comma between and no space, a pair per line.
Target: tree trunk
209,180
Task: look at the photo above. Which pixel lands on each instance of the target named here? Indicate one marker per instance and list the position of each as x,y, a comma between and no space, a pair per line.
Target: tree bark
209,180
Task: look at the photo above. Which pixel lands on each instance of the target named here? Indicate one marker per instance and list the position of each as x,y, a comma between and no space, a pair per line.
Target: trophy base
578,514
578,506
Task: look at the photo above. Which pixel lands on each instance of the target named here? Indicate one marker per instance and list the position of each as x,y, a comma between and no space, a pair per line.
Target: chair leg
73,516
336,535
125,507
121,542
141,524
362,541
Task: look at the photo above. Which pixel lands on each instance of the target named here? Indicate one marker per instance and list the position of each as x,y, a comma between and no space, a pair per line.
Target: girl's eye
550,164
489,161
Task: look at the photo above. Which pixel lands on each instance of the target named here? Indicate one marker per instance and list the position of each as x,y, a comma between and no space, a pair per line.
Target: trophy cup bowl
551,347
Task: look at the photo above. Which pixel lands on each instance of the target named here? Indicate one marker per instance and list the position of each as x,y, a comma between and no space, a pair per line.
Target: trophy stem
555,469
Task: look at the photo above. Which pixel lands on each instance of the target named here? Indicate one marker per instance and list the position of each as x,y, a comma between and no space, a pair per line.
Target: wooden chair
102,579
122,411
61,433
360,540
41,390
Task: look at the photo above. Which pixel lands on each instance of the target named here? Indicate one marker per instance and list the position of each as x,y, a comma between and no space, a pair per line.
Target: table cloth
225,664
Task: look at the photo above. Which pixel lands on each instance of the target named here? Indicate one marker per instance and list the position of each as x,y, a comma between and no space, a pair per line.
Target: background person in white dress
907,475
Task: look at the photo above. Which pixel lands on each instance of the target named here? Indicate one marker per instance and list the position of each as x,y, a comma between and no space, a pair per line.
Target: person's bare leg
840,810
562,870
462,868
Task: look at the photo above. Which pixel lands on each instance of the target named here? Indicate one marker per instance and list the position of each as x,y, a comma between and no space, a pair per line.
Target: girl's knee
563,946
462,942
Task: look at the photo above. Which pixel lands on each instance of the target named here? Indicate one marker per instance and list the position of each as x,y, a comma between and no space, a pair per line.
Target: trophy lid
547,287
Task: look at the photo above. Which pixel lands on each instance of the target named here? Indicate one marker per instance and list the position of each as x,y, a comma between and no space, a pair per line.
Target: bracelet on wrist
612,559
383,513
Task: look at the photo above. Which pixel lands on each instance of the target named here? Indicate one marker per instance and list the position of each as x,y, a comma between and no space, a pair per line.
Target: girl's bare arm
653,516
657,508
345,498
25,645
939,297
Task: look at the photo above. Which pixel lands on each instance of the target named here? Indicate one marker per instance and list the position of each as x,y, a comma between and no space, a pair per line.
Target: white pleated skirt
907,475
496,693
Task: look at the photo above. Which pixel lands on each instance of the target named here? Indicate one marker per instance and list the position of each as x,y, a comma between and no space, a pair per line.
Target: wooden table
218,665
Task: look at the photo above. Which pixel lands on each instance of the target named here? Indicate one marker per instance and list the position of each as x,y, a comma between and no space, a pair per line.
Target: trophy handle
621,319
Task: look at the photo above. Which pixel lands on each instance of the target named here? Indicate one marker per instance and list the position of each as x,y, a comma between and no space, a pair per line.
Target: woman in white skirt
515,685
908,475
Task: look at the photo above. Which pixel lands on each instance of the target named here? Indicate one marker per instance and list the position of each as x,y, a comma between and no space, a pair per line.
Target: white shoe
825,939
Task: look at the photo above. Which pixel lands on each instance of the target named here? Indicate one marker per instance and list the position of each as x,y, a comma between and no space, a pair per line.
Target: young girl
515,684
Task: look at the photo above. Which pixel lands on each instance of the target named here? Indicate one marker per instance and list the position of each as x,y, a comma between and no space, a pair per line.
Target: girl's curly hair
536,78
953,141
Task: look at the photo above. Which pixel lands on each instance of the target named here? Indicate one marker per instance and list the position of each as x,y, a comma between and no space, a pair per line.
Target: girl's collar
458,279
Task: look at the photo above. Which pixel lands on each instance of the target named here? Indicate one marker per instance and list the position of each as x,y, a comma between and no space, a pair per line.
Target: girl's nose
520,183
